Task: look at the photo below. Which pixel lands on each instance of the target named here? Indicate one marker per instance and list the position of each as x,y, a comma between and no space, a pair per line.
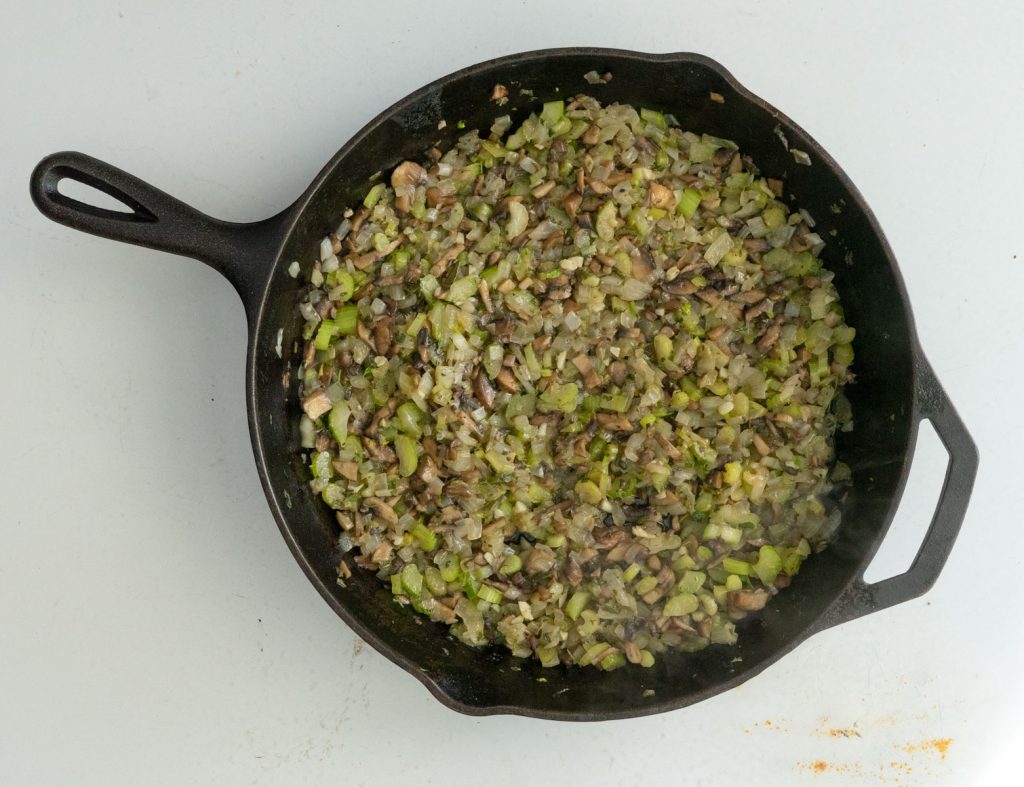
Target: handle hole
89,195
917,506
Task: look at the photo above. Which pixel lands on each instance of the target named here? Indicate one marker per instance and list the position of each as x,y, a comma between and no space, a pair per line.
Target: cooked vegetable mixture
572,388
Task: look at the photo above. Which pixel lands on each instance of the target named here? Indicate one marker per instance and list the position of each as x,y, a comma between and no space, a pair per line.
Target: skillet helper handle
154,219
932,404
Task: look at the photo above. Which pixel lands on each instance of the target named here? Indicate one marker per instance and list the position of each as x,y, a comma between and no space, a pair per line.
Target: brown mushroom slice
483,390
539,560
317,403
748,600
586,369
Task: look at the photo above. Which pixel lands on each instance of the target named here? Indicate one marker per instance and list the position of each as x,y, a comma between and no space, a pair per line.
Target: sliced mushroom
770,337
573,572
317,403
485,296
748,600
540,559
507,381
571,204
349,470
439,267
383,510
614,423
483,390
408,173
661,196
586,369
382,335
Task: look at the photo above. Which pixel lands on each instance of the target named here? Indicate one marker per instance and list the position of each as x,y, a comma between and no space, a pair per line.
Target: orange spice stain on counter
767,724
839,732
821,766
892,773
938,746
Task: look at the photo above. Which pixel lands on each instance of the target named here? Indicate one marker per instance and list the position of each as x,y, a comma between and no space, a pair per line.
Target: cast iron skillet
895,386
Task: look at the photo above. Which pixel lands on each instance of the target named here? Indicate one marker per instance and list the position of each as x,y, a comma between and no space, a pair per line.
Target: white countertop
154,629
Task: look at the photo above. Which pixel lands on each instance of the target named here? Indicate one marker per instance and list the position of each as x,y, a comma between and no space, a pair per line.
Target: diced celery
345,286
325,334
646,585
449,567
513,564
662,347
577,604
548,657
429,286
691,581
588,492
613,661
558,397
653,117
405,447
607,217
552,112
701,152
462,290
768,565
412,580
773,217
688,203
842,354
730,535
321,465
337,421
499,462
434,581
490,594
680,604
843,334
791,563
683,563
426,537
734,566
400,259
373,195
416,324
518,217
482,211
346,319
408,417
616,403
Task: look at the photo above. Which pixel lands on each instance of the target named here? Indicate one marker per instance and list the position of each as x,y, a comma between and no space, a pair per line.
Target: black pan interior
478,681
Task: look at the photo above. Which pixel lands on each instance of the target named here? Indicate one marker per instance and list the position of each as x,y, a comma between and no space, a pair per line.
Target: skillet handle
157,220
932,404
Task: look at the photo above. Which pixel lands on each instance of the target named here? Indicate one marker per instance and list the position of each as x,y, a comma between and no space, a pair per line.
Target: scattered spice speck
938,746
839,732
823,766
